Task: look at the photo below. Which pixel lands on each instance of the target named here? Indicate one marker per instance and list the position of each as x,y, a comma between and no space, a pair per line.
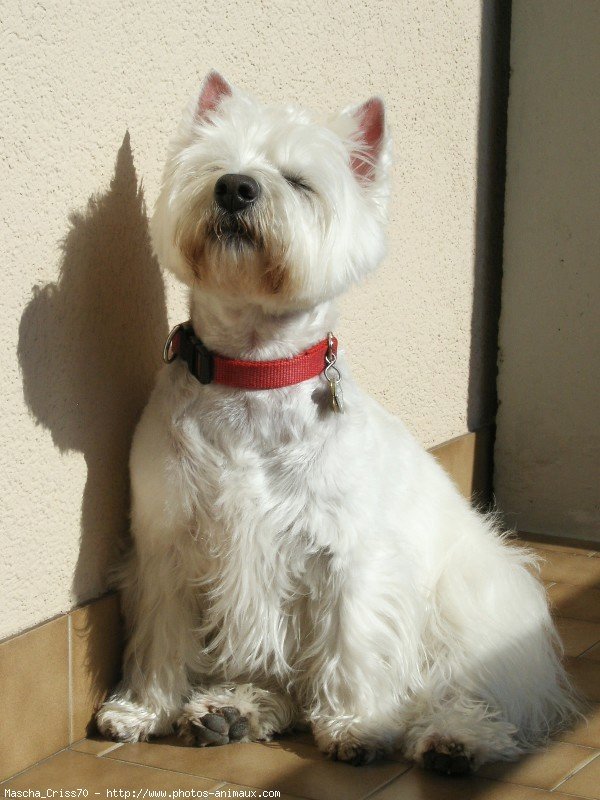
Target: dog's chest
270,510
262,470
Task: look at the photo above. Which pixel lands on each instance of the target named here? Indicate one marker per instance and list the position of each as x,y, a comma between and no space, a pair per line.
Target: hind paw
446,757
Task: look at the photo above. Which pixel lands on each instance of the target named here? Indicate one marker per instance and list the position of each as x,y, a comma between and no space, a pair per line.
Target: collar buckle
200,359
183,342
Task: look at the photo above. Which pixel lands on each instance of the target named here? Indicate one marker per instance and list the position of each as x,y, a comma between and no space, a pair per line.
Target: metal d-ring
168,357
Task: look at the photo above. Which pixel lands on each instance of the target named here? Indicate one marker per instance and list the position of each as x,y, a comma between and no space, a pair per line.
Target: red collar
209,367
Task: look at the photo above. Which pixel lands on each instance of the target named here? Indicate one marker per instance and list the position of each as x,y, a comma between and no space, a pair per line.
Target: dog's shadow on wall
89,347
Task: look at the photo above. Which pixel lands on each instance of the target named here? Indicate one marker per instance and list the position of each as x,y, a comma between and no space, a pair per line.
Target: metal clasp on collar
170,354
334,376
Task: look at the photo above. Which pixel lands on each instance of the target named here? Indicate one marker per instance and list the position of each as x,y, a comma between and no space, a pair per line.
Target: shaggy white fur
291,564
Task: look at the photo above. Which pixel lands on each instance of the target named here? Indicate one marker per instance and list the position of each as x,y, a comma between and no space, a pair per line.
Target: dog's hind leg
454,736
243,713
495,686
359,663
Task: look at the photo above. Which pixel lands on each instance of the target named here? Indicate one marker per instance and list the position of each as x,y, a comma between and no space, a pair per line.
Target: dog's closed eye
299,183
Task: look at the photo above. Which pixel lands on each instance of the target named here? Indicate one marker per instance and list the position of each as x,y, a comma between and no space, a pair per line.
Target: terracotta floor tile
593,653
420,785
576,602
555,543
71,770
578,570
542,770
587,732
585,782
291,767
585,674
577,635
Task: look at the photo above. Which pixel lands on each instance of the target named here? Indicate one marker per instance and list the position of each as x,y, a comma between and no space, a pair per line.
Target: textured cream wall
90,93
548,443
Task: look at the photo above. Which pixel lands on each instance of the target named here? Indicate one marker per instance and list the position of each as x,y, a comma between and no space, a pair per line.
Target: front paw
125,721
221,725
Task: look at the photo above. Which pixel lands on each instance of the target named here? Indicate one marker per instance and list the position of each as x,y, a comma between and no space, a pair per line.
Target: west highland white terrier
298,557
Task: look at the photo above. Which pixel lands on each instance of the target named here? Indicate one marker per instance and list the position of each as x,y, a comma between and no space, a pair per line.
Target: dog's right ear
364,131
213,90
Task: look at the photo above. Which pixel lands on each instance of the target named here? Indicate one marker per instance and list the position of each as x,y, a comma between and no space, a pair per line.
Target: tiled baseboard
53,677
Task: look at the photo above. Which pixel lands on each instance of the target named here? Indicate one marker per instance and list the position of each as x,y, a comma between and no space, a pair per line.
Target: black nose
235,192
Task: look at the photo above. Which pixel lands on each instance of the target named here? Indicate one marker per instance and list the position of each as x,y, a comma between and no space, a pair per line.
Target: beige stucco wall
548,443
90,93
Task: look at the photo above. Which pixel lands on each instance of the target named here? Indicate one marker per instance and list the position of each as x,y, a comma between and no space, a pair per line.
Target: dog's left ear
363,128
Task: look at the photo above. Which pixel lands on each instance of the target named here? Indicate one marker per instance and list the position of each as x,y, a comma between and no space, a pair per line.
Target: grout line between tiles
577,769
391,780
587,650
31,766
162,769
70,676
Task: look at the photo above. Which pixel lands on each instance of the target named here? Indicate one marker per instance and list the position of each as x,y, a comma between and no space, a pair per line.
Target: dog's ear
363,127
370,134
213,90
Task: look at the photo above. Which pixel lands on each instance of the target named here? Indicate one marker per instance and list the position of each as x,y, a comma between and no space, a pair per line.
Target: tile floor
292,766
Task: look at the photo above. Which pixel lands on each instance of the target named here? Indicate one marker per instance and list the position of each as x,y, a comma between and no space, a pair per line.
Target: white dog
298,557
